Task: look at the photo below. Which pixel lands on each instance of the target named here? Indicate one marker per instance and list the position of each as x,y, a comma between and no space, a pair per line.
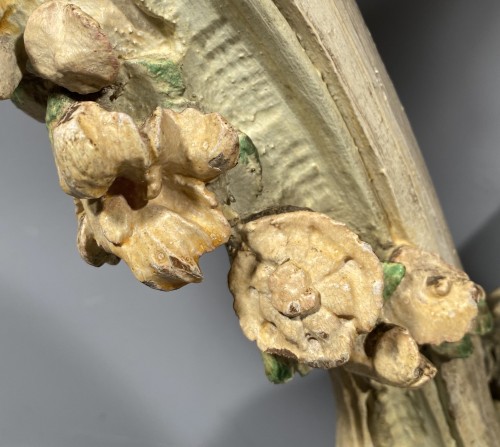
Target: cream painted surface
319,148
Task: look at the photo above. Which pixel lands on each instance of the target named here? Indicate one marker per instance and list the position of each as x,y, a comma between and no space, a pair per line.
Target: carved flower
435,301
141,192
304,286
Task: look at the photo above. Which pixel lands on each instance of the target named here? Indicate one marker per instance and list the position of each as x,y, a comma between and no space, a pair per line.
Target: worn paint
167,73
57,104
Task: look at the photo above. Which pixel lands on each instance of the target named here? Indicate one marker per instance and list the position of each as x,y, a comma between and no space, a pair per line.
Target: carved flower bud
435,301
68,47
397,359
391,356
304,286
192,143
291,291
93,147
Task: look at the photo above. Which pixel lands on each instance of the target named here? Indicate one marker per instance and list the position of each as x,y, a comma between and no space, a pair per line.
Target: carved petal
192,143
162,241
92,147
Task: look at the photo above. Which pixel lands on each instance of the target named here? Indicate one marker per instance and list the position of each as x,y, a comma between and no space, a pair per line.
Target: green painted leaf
393,275
278,369
456,350
247,149
484,321
166,73
57,105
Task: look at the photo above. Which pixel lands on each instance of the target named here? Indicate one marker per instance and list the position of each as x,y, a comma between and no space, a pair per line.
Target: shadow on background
480,254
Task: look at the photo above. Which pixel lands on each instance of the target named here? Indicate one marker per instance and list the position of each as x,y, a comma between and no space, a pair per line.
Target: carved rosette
305,286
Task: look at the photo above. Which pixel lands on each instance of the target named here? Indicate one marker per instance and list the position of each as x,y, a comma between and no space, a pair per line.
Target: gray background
91,358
